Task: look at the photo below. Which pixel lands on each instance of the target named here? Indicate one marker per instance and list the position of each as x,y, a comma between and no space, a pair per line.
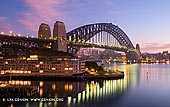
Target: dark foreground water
144,85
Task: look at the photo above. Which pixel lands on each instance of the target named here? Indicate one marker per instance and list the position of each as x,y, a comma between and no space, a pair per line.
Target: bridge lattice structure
99,35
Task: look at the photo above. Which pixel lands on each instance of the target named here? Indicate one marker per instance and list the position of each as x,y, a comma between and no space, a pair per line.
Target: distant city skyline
144,21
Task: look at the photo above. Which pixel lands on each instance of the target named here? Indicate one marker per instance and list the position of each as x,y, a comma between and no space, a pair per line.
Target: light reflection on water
98,91
83,93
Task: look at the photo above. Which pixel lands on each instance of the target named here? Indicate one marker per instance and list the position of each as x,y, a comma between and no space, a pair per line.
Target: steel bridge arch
84,33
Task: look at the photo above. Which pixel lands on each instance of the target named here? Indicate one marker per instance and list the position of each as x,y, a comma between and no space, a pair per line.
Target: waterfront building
44,31
51,65
163,57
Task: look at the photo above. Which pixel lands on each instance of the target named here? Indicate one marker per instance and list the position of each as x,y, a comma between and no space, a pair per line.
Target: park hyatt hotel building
60,63
34,65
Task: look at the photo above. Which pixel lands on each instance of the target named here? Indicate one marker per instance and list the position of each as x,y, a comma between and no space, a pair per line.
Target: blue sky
146,22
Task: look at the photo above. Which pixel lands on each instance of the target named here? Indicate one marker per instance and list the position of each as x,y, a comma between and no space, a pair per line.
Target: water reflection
145,85
98,90
81,93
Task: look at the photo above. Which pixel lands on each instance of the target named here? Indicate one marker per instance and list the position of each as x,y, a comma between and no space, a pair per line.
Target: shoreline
53,77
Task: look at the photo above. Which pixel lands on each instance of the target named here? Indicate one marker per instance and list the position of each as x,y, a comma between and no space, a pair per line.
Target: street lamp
11,33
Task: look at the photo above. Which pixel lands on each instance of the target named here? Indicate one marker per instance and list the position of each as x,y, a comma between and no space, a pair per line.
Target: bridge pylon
60,37
133,56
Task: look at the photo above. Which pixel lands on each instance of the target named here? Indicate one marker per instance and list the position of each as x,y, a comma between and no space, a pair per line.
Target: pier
60,77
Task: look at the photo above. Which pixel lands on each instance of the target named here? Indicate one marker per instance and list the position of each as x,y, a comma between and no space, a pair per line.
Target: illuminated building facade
44,31
163,57
34,64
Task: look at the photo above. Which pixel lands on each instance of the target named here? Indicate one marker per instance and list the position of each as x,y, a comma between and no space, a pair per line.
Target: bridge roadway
104,46
43,43
22,40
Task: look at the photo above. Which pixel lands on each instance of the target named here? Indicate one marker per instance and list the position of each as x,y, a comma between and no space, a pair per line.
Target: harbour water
144,85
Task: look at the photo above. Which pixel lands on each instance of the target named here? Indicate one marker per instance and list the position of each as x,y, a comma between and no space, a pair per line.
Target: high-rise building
59,34
44,31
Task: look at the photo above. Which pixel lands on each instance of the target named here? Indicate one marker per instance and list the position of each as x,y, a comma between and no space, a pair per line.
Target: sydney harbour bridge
98,35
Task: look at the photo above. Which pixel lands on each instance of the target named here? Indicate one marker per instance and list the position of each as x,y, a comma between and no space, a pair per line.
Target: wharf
60,77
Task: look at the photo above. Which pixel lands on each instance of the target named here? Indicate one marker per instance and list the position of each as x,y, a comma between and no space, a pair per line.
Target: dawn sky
146,22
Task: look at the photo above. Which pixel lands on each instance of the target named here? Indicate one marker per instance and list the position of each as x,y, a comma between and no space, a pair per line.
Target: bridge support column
59,34
132,57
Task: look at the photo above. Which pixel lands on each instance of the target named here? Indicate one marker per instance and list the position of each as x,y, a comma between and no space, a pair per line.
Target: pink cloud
30,21
5,25
155,47
46,11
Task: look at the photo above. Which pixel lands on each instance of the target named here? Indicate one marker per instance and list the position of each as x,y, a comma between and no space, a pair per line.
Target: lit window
6,62
70,68
37,65
53,68
65,68
41,62
41,71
